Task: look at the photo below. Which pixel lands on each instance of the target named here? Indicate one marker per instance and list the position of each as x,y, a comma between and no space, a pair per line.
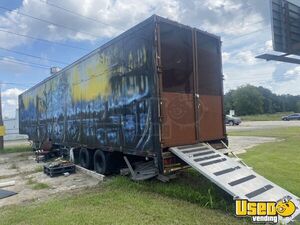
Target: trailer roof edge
152,18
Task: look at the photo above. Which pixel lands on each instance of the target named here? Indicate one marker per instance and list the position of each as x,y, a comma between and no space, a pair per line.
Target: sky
38,34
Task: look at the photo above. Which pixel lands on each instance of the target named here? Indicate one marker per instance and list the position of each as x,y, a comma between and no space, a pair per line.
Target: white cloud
114,17
11,93
218,5
293,72
246,58
217,16
225,57
240,74
269,45
241,24
11,102
290,86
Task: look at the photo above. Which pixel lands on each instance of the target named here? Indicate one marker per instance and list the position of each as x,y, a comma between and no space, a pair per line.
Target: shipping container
155,86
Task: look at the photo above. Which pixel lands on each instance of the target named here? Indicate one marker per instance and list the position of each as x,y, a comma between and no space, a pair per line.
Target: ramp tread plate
233,177
207,158
189,146
213,162
193,150
204,153
259,191
242,180
221,172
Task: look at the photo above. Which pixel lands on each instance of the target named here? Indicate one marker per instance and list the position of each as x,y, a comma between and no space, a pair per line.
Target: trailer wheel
86,158
100,162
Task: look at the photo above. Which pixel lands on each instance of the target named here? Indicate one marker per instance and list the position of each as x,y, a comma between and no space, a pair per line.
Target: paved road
255,125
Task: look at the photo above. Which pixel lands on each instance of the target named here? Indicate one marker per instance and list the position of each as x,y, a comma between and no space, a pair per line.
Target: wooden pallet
59,170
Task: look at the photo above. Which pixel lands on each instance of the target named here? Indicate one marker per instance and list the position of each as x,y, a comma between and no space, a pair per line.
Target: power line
33,56
21,60
22,63
47,21
17,84
43,40
244,35
13,83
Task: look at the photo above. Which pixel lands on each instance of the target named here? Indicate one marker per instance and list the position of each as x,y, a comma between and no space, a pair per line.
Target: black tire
231,123
86,158
101,162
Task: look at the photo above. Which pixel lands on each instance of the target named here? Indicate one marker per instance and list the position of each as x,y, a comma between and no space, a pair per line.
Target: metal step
235,178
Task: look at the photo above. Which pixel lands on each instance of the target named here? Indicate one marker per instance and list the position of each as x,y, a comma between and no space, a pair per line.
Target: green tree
228,101
248,101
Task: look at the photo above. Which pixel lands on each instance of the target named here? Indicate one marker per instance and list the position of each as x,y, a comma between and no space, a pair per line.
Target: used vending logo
262,212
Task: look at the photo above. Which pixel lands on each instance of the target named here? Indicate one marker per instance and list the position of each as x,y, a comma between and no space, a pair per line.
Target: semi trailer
155,86
151,100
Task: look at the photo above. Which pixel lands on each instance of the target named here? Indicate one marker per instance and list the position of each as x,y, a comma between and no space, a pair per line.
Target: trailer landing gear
142,171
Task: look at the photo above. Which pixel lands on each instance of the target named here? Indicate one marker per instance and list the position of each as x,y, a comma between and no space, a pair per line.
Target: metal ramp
232,176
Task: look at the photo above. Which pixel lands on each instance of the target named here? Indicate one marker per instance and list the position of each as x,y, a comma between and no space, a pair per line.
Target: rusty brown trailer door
177,85
209,87
190,87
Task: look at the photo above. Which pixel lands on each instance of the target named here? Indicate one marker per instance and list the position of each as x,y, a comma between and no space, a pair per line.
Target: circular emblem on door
177,109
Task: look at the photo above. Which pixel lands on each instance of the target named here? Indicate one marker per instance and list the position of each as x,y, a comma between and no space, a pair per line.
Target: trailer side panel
103,101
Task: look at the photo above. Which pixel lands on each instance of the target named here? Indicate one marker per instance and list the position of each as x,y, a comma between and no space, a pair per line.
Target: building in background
12,129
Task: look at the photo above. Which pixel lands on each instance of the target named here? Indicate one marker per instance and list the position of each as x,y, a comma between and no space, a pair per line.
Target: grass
188,186
118,201
189,199
39,169
280,161
16,149
265,117
37,185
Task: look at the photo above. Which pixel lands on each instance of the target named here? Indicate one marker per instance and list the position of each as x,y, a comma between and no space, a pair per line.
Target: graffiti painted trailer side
155,86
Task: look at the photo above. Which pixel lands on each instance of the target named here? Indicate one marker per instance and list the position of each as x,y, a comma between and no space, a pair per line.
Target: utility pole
1,124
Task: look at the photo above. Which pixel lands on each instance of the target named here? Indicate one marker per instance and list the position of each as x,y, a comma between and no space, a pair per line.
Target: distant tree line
250,100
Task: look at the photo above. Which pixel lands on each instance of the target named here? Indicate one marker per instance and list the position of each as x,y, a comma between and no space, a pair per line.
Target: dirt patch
240,144
32,184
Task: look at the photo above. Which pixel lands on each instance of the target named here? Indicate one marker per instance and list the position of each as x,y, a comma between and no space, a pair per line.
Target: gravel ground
21,168
242,144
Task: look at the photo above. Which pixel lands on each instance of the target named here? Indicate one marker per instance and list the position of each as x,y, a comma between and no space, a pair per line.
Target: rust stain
211,118
178,122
